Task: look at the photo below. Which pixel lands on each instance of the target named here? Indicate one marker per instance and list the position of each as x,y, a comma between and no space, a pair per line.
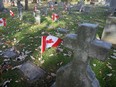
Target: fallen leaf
94,65
110,74
51,54
108,66
114,54
114,50
16,67
32,58
114,57
53,74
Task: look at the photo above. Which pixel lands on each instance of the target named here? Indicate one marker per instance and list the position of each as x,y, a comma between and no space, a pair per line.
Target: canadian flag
52,7
49,41
55,17
2,22
11,13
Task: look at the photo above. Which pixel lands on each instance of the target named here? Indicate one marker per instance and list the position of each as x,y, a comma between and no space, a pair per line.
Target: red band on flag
4,20
57,42
11,13
43,43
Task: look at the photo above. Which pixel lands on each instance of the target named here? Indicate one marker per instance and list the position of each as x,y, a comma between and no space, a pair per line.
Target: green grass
25,35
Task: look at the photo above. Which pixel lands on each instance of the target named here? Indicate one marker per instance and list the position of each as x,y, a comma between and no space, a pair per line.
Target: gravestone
113,3
109,32
35,10
77,7
80,5
60,4
38,17
62,30
31,72
107,2
9,53
44,11
20,10
87,9
1,6
113,6
50,3
78,73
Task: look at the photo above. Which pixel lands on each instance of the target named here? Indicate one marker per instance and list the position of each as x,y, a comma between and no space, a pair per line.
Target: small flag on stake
49,41
2,22
55,17
11,13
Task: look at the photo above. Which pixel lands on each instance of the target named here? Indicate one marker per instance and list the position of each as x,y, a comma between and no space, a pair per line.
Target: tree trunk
26,4
1,5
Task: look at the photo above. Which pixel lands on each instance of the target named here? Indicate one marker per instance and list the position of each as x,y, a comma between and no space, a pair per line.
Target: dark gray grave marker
87,9
31,72
113,6
62,30
9,53
78,73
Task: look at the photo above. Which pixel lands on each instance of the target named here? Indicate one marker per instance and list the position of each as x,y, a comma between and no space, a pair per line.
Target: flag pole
43,44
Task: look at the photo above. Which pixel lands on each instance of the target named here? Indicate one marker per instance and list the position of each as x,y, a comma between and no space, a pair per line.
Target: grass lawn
25,36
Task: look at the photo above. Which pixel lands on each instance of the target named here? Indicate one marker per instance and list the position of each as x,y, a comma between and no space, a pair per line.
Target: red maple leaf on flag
49,41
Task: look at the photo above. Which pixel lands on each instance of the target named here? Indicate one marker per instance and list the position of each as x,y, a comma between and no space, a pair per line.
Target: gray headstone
31,72
61,4
109,32
87,9
78,73
107,2
1,5
44,11
80,5
113,3
50,3
62,30
113,6
9,53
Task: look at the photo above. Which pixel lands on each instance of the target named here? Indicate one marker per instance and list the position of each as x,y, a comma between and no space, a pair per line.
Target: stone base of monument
31,73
